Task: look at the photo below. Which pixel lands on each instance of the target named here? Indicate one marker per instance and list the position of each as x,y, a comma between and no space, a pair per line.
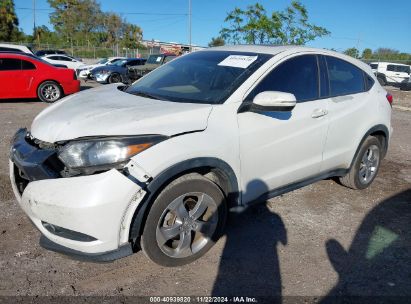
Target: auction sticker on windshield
238,61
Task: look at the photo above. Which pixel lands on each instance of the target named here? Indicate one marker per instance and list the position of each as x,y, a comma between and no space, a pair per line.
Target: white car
391,73
84,72
157,165
5,47
70,62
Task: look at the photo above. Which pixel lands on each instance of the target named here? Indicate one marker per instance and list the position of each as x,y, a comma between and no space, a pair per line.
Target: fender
376,128
156,184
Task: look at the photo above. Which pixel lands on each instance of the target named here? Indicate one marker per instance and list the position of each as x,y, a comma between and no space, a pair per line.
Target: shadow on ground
249,265
378,262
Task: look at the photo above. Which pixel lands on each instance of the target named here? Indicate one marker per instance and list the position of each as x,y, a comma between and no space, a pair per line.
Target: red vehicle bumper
71,87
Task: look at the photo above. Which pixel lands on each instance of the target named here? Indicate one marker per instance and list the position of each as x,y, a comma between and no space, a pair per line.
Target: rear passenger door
350,111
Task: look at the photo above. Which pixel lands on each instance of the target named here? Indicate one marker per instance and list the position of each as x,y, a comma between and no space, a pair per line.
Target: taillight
389,98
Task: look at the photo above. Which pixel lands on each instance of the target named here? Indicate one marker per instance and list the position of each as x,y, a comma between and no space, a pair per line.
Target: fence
92,52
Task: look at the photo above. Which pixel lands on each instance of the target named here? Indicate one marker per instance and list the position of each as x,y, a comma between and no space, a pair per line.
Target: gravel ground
322,240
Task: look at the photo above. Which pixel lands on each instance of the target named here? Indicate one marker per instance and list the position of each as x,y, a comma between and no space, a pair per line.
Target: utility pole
189,24
34,16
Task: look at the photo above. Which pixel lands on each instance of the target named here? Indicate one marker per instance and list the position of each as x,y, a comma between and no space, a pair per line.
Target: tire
192,210
365,166
381,81
114,78
49,91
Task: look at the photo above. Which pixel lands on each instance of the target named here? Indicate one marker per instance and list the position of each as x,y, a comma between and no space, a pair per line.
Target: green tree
353,52
366,54
254,25
216,41
8,21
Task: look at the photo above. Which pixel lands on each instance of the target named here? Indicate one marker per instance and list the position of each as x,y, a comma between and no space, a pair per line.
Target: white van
390,73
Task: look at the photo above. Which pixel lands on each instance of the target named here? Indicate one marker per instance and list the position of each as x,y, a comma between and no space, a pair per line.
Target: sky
352,23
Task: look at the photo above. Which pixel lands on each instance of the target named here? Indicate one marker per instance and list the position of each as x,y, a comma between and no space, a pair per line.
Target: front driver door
281,148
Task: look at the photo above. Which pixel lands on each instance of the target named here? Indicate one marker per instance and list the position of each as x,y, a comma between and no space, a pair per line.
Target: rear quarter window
345,78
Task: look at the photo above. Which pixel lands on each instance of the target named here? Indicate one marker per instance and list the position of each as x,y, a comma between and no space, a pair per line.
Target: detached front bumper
87,216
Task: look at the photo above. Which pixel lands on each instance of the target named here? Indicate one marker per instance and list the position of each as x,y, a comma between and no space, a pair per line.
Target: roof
261,48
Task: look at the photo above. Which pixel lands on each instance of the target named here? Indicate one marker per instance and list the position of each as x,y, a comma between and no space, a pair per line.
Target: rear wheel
185,221
49,91
365,166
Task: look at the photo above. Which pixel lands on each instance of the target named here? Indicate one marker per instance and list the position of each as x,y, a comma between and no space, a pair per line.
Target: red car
27,76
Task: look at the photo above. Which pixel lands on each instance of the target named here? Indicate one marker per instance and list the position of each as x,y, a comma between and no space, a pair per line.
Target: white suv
159,163
390,73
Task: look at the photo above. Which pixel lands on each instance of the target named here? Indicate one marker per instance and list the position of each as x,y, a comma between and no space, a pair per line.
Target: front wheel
185,221
49,91
365,166
114,78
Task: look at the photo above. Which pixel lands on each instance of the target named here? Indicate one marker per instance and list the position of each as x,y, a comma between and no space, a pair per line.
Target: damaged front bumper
84,216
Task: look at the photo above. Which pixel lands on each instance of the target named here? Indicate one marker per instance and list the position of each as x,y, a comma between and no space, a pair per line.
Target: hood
106,111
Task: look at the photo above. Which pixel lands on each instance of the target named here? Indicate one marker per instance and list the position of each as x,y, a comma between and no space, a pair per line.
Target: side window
63,58
344,77
54,57
27,65
298,75
391,67
9,64
7,49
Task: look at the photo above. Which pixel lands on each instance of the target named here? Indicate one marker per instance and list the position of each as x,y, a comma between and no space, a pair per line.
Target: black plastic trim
167,175
252,107
294,186
107,256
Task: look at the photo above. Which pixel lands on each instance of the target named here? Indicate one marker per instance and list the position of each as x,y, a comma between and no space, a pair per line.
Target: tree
253,25
216,41
8,21
366,54
353,52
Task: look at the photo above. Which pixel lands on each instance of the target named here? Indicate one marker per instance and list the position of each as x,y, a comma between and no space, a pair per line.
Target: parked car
156,165
41,53
85,71
27,76
406,84
153,62
70,62
116,72
15,48
390,73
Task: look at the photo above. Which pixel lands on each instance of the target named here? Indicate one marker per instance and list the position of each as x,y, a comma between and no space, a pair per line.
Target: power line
123,13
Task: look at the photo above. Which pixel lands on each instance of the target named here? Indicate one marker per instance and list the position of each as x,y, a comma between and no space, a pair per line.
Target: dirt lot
322,240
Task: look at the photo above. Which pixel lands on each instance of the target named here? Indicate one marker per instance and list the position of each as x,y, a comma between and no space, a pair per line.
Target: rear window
374,66
7,49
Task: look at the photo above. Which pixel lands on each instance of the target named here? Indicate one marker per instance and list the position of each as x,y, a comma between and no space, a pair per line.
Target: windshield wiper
147,95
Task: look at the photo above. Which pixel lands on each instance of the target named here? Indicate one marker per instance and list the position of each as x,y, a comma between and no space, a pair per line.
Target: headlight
91,155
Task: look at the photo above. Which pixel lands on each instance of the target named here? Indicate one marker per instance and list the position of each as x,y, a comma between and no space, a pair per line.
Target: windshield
154,59
208,77
102,61
119,62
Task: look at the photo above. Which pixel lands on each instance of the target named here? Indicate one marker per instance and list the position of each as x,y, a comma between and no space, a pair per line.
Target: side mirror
274,101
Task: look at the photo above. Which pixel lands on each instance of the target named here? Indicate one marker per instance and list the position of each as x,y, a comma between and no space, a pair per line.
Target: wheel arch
217,170
53,80
381,133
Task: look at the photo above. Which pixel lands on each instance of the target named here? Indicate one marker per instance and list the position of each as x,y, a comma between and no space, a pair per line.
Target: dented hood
108,111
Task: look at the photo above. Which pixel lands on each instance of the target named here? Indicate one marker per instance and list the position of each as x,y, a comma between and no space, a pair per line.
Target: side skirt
290,187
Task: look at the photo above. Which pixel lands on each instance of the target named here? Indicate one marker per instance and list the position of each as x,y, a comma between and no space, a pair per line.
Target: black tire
381,81
161,213
49,91
356,179
114,78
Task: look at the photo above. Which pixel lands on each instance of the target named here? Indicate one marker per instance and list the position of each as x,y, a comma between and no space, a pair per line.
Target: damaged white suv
158,164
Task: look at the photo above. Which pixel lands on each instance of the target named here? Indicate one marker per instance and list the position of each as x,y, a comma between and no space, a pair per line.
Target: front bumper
101,78
89,215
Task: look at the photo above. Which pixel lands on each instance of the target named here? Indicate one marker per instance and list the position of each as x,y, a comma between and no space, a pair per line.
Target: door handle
317,113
